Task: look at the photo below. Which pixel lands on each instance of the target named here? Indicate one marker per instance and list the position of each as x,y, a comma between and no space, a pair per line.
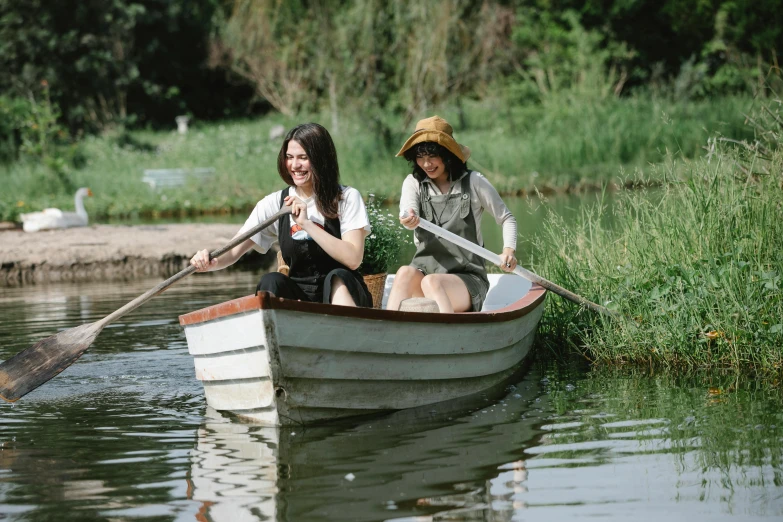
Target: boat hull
281,362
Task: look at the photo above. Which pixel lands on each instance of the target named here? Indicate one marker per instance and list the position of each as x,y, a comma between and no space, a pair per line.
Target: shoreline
584,187
110,252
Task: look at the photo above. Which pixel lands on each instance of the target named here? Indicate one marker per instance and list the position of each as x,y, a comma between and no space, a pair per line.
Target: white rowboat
279,362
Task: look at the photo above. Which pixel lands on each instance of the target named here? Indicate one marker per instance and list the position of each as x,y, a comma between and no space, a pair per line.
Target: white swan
50,218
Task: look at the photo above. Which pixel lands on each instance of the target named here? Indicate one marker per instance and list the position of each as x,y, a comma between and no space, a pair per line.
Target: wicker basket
376,284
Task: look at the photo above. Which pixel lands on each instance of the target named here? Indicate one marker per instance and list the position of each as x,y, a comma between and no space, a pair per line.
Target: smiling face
433,167
298,164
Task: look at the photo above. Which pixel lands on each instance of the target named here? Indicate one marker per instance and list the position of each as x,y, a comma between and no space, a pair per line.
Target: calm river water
124,434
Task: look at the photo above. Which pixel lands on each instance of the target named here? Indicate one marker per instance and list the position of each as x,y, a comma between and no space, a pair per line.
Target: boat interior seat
504,289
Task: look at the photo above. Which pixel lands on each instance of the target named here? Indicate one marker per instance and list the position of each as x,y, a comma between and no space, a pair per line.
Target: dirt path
108,252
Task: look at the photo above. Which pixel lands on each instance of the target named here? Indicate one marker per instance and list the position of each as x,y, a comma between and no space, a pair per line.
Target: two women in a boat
443,190
322,241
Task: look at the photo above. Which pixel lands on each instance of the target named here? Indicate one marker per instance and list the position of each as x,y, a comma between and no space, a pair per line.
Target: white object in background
182,124
276,132
53,218
158,178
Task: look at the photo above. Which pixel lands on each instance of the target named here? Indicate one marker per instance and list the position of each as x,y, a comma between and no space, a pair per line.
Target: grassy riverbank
698,270
566,143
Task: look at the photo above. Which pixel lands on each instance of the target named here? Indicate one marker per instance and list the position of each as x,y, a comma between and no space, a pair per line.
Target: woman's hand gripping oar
34,366
530,276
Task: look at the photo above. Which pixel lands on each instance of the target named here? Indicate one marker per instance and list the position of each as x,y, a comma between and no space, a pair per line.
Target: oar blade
36,365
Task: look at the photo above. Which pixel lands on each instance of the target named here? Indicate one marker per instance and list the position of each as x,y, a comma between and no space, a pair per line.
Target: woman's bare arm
203,264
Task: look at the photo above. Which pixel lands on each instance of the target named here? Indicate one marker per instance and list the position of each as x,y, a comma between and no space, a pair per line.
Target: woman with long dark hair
322,241
442,189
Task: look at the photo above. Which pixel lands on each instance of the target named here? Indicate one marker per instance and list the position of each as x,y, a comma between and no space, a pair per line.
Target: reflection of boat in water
234,471
281,362
411,462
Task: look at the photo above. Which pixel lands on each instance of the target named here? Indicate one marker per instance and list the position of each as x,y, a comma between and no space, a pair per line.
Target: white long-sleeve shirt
483,196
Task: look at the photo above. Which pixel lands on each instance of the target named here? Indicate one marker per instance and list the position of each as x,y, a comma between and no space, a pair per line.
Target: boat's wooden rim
267,301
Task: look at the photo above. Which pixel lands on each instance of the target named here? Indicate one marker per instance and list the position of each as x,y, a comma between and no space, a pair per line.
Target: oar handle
149,294
527,274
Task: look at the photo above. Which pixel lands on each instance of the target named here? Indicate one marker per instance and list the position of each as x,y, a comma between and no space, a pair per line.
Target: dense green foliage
724,38
145,61
115,62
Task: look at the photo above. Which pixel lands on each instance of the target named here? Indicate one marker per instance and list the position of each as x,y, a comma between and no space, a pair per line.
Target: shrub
383,246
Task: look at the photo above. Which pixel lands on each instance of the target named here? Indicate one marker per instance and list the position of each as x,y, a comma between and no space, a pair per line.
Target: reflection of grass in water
699,270
565,144
728,421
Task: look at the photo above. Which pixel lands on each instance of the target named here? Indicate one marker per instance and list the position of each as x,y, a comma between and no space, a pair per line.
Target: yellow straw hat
436,130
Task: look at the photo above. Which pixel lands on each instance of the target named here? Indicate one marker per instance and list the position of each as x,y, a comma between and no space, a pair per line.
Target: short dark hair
454,166
318,145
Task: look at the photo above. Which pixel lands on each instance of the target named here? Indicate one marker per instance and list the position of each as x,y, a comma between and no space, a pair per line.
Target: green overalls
439,256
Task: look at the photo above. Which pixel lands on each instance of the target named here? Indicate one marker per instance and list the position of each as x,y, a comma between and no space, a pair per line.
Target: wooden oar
33,366
527,274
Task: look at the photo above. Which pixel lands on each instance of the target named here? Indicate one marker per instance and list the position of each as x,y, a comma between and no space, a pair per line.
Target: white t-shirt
350,211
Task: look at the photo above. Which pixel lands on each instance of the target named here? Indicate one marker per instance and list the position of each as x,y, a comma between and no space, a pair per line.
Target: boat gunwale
266,301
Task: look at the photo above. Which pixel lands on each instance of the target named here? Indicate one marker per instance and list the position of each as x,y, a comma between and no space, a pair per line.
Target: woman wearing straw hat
444,191
322,240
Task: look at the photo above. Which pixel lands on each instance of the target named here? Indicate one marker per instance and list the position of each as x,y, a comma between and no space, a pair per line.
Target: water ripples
124,433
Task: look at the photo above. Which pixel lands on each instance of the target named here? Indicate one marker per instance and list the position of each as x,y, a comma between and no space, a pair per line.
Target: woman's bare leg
340,294
448,291
407,283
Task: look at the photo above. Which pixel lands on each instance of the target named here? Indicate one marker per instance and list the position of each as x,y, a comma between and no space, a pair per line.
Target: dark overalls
311,268
440,256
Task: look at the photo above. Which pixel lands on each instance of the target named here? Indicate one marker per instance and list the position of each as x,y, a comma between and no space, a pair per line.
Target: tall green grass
566,143
569,143
697,270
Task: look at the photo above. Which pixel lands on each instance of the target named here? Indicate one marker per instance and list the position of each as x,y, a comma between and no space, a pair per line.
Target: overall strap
308,261
465,184
282,227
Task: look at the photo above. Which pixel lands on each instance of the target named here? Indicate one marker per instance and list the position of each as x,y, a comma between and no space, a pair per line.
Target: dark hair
318,145
454,166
